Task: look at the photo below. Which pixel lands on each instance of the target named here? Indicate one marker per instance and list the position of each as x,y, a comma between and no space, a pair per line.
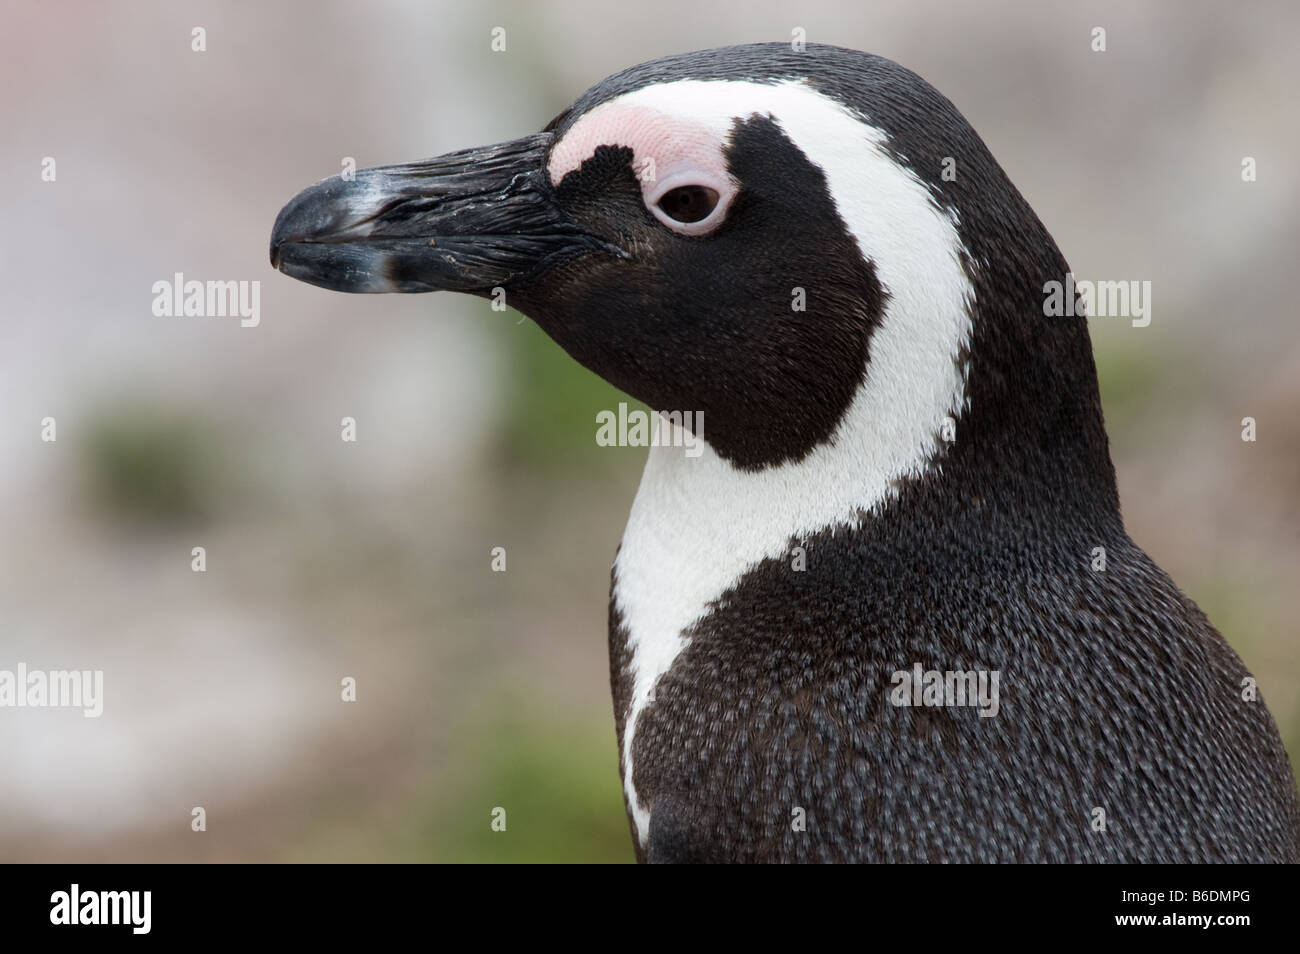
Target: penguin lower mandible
866,622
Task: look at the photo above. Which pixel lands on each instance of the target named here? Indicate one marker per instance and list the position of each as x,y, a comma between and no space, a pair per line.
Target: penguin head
766,236
743,296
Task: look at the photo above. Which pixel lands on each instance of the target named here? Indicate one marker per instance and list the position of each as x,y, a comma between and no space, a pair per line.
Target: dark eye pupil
690,203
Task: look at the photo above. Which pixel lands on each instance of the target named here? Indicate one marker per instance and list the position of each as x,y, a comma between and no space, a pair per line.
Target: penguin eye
688,203
691,201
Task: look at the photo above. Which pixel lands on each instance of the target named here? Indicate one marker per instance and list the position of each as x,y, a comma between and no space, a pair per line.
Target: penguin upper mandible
867,621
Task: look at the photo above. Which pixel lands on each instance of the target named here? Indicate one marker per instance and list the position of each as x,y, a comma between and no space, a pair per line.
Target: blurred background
371,559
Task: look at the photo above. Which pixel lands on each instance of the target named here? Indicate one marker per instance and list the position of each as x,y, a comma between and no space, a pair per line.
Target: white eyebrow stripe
669,143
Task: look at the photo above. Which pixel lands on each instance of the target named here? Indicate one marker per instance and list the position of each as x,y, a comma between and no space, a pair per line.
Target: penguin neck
1022,449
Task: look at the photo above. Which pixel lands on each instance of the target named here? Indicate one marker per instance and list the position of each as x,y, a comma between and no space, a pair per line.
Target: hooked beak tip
468,221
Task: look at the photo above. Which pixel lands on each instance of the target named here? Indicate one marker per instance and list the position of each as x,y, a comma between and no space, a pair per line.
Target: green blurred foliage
148,464
558,782
1243,604
1237,604
553,403
1127,377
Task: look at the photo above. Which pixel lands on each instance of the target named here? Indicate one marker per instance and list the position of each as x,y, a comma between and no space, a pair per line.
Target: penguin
889,612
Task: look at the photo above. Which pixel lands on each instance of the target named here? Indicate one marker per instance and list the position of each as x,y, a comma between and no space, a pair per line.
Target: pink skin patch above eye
666,153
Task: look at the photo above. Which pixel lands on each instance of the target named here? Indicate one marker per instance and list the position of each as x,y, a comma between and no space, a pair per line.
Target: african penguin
907,476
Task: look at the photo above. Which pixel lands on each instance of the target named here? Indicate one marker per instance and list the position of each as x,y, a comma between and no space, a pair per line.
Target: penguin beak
469,221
